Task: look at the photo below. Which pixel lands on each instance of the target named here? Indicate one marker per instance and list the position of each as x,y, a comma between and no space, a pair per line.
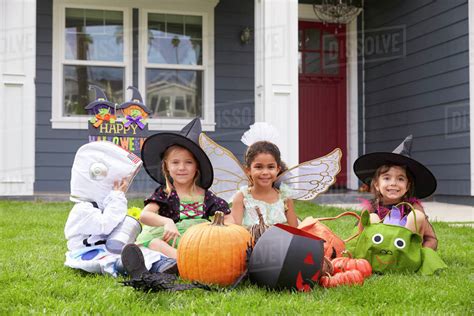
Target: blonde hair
166,174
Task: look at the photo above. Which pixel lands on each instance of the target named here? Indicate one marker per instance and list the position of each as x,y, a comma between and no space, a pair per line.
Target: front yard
33,279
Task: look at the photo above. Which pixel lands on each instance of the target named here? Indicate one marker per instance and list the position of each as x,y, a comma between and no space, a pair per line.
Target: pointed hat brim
366,165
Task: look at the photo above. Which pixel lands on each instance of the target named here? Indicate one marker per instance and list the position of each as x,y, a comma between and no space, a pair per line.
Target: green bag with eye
393,248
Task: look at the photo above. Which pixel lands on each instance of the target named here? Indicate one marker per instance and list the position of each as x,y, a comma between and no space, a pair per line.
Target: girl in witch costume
265,188
184,173
395,178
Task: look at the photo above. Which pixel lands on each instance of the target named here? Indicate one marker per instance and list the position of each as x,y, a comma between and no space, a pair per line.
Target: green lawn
34,280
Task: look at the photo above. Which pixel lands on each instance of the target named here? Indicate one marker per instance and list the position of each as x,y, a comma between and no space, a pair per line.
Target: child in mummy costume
100,176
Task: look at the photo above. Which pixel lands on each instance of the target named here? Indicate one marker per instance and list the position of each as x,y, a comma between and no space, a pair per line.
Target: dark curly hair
264,147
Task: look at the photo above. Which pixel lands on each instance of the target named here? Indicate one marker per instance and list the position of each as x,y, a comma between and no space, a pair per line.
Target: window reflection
174,93
76,83
174,39
312,63
94,35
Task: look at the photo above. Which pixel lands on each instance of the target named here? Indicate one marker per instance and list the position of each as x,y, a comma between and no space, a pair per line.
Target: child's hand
121,185
170,232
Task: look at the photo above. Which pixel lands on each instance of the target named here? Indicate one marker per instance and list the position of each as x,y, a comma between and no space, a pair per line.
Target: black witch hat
155,146
135,100
101,100
366,165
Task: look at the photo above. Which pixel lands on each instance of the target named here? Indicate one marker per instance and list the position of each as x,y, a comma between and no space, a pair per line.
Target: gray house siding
425,90
234,97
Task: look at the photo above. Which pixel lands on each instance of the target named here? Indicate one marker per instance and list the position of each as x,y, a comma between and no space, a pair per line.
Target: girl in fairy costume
263,165
184,173
265,188
395,177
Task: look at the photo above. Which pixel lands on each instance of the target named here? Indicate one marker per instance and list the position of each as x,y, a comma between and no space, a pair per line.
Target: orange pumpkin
350,277
213,253
342,264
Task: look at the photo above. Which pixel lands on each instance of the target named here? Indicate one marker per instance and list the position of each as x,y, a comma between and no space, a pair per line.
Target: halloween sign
128,131
286,258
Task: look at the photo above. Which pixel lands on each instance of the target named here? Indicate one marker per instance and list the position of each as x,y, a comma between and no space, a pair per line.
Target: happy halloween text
132,144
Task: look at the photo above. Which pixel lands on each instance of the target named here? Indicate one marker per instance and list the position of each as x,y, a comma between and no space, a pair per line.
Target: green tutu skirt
152,232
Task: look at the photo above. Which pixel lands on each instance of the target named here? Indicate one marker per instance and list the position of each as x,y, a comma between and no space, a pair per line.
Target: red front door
322,92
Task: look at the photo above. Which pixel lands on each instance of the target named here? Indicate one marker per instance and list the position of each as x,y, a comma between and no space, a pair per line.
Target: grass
33,279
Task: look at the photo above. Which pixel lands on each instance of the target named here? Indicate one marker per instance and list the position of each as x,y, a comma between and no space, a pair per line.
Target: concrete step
341,197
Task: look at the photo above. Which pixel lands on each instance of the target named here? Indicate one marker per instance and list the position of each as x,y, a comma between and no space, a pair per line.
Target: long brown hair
164,168
383,169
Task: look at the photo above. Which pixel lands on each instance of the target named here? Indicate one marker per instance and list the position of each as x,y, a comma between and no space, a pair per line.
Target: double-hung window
93,45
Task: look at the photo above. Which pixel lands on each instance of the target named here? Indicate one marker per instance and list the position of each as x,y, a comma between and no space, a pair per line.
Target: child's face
263,170
182,166
392,185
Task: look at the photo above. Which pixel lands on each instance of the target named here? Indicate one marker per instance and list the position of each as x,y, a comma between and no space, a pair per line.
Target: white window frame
207,68
204,8
59,120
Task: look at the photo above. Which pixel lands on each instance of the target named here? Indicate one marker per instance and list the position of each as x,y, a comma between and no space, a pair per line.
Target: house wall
235,73
422,89
234,97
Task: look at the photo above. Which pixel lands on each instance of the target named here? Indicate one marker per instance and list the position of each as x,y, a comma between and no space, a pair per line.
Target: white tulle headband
260,131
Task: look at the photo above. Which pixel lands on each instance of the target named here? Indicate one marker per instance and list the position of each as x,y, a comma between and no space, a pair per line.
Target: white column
17,96
471,88
276,71
352,104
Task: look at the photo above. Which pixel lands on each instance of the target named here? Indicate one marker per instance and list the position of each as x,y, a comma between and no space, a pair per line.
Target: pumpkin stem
328,267
218,219
346,253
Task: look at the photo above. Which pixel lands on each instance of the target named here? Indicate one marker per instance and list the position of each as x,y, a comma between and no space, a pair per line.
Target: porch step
342,197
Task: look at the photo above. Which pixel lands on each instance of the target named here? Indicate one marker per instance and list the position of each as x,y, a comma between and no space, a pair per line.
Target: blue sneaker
165,265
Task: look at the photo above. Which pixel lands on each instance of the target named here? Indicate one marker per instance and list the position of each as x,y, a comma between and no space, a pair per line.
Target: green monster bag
393,248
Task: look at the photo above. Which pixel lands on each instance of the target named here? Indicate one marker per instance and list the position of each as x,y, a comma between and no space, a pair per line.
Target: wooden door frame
306,13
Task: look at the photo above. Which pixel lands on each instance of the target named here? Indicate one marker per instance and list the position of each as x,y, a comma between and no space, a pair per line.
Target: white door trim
352,105
17,94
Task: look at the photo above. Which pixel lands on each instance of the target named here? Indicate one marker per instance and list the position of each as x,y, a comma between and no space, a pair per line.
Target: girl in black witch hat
394,178
184,173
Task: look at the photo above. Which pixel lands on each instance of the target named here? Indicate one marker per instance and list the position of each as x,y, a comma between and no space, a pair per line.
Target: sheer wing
311,178
229,175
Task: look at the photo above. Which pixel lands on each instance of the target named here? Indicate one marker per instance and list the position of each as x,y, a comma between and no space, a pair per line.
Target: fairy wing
229,175
311,178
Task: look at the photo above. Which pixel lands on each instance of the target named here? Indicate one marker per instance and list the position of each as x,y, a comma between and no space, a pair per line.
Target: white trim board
17,75
471,88
352,105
